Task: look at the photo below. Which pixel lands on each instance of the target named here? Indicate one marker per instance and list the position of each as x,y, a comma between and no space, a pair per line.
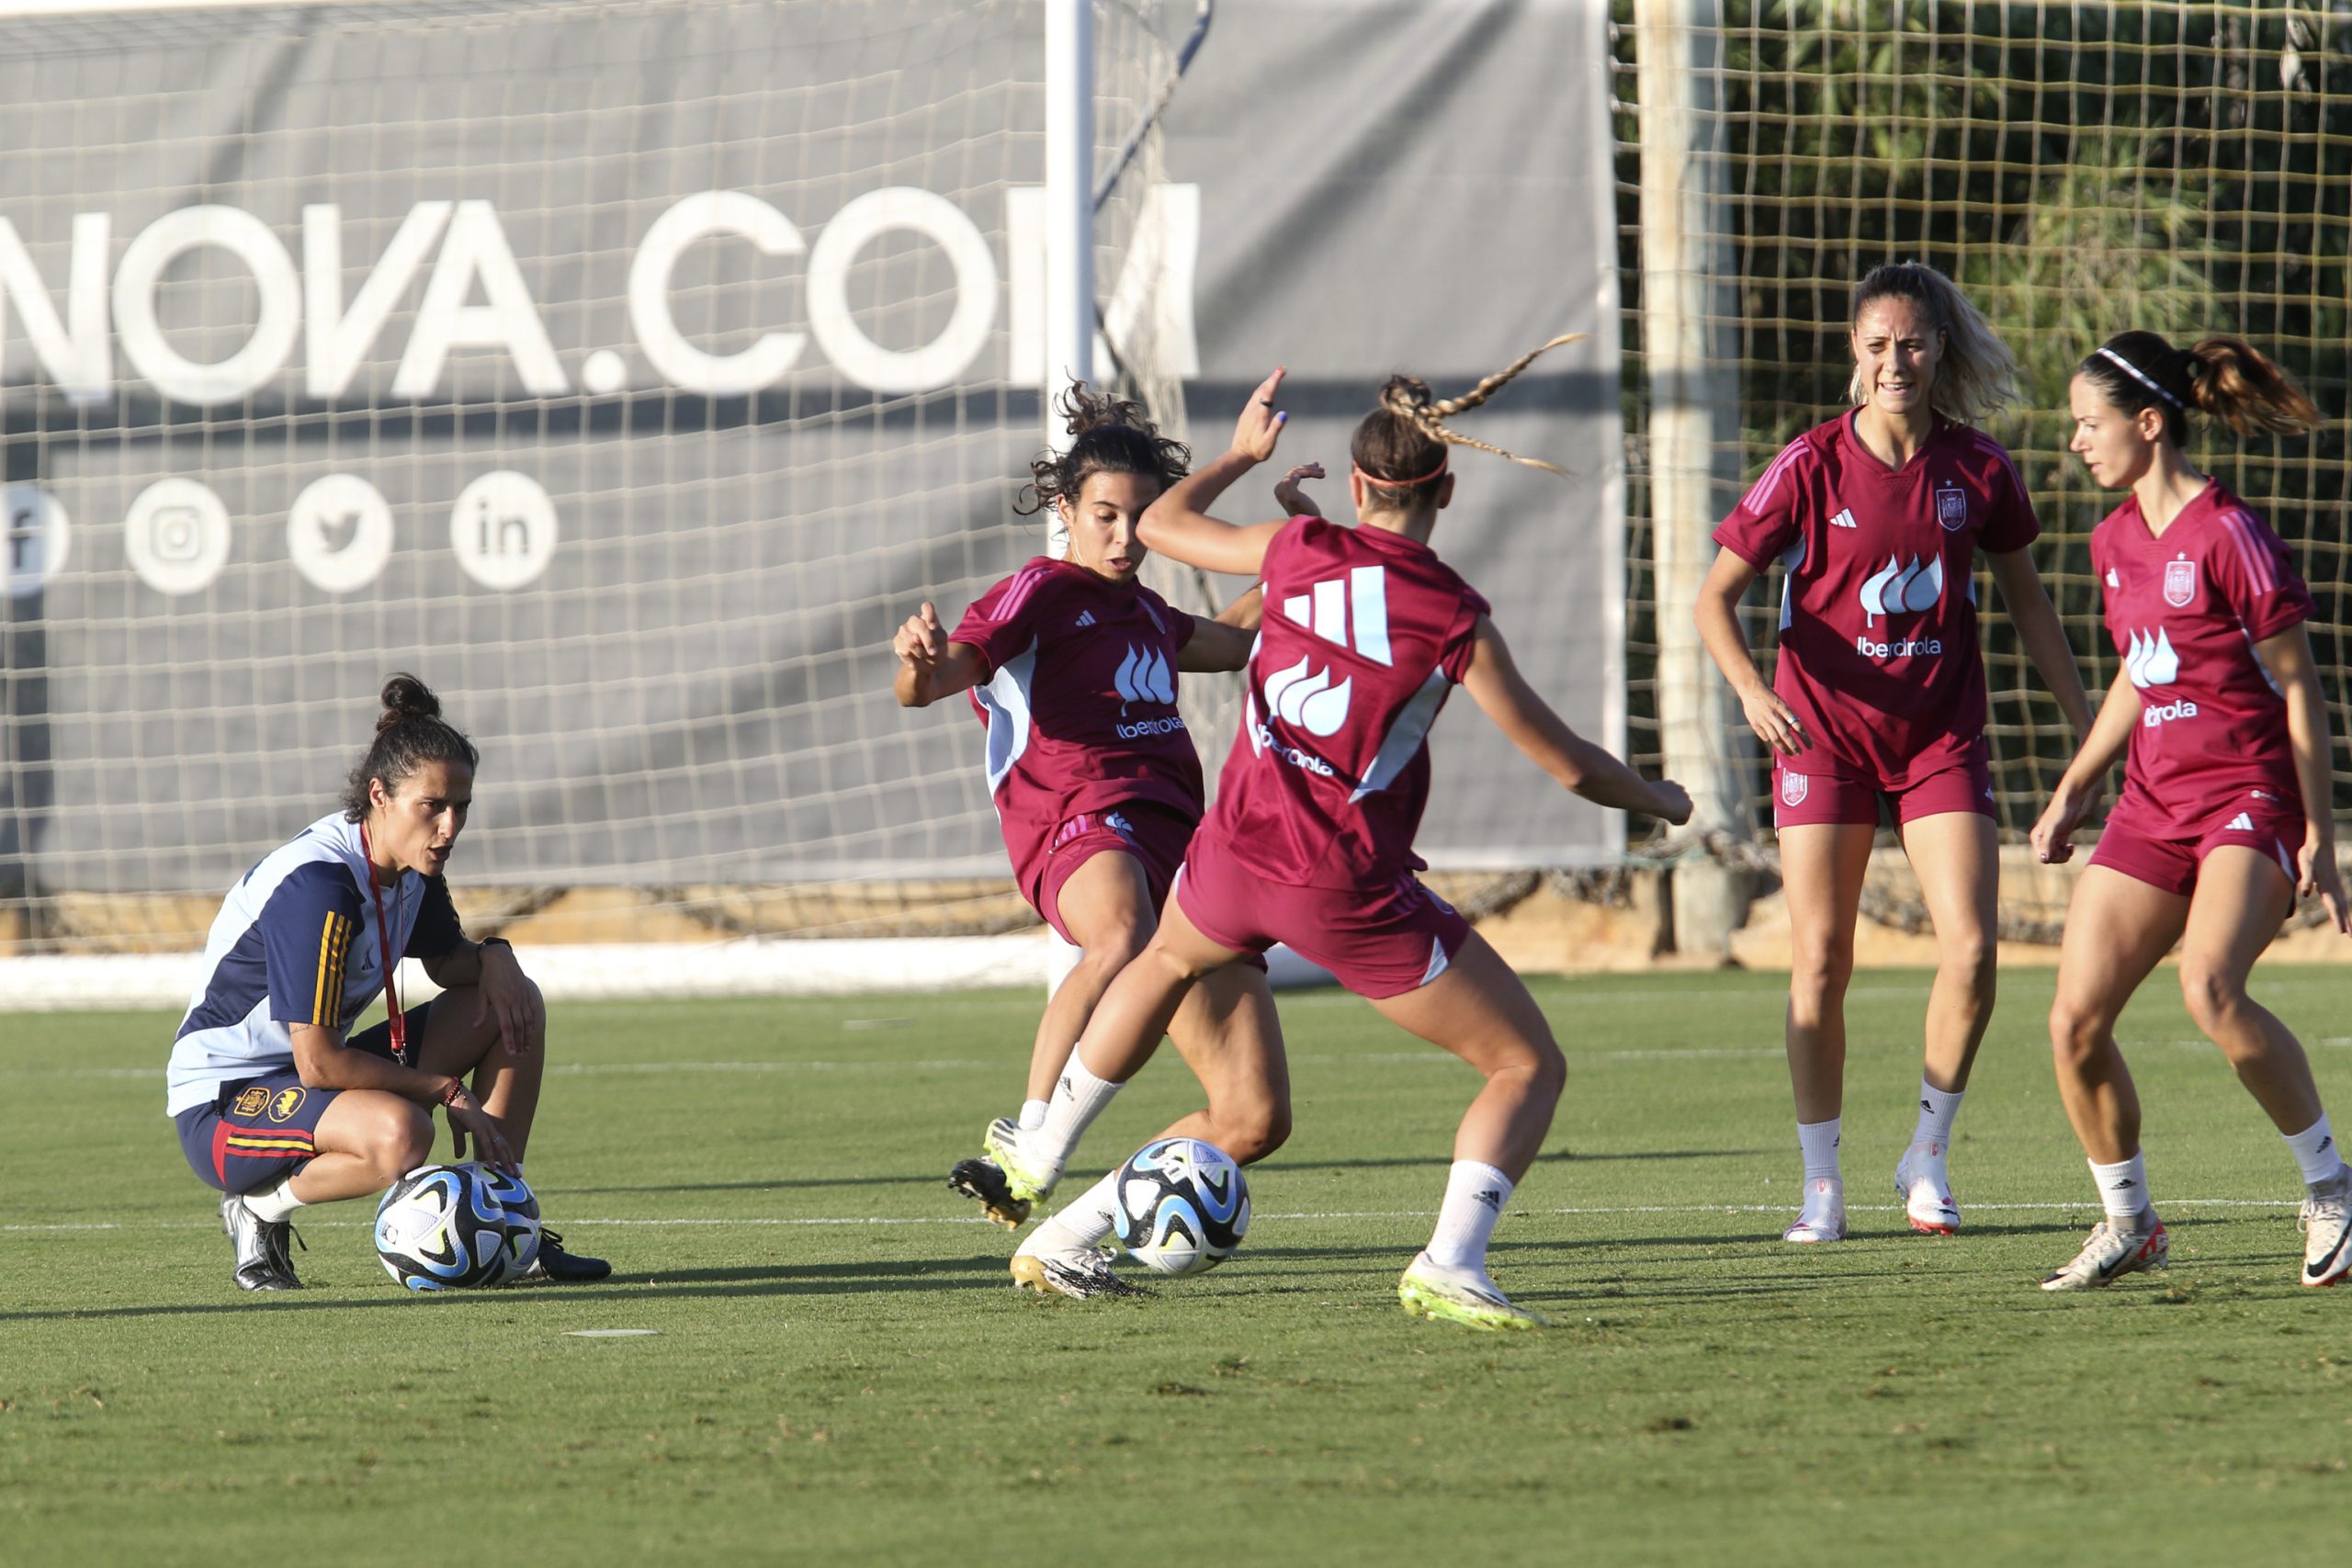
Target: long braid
1409,400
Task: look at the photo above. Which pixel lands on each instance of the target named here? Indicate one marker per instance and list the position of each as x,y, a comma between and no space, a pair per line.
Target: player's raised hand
1292,497
1261,425
1673,802
2319,875
921,643
1773,722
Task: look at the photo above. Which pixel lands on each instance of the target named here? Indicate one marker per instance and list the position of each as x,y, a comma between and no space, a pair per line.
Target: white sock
1819,1142
1088,1220
1937,1109
2123,1188
1033,1115
2315,1150
1079,1099
1475,1195
275,1201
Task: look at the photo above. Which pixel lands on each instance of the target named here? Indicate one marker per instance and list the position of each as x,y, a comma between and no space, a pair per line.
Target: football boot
2113,1252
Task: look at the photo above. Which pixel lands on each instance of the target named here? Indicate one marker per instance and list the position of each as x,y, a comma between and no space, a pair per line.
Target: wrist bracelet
457,1087
495,942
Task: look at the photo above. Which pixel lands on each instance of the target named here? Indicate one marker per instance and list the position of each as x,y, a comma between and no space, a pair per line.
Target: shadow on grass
813,1279
1278,1164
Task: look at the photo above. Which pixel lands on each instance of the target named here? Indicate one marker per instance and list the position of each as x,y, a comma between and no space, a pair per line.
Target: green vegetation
840,1375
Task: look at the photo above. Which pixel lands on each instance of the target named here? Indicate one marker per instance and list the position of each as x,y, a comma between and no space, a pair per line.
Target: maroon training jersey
1878,657
2184,611
1365,634
1080,700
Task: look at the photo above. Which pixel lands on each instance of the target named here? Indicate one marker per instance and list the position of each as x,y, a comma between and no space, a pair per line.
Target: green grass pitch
840,1375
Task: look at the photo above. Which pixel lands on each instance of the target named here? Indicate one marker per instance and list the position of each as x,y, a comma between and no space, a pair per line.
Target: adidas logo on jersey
1845,519
1351,612
1085,619
2241,823
1328,607
1144,677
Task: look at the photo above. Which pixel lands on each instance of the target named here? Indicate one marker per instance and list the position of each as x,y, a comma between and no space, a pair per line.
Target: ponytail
409,733
1399,447
2223,378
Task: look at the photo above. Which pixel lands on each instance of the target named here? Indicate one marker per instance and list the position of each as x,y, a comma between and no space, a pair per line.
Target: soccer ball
1183,1206
440,1227
520,1248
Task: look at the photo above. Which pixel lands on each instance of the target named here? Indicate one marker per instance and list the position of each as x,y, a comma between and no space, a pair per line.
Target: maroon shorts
1804,796
1377,942
1154,835
2260,822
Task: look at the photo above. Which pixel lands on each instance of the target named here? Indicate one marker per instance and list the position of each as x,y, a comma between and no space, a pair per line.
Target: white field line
2084,1206
1428,1056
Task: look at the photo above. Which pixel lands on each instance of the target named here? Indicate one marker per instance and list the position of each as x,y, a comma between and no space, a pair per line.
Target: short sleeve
1765,523
2252,575
2012,526
1002,622
1462,637
436,931
307,930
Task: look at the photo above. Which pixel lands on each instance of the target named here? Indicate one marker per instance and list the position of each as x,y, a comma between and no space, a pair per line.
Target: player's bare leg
2242,898
1480,1010
462,1039
1956,856
1126,1029
2241,895
1228,1031
2118,929
1822,869
1106,906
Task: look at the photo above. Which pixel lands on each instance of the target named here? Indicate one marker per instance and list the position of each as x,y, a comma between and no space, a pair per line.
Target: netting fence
626,367
2080,170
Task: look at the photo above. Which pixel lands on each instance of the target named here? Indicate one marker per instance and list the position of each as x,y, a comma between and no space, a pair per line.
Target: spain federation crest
2180,583
1794,788
1951,508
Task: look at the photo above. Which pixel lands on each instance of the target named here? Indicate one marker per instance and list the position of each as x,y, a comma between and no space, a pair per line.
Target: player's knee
1819,969
2212,995
399,1140
1256,1131
2075,1034
1968,959
1118,943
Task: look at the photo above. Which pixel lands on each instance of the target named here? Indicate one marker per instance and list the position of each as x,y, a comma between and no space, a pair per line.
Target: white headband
2142,377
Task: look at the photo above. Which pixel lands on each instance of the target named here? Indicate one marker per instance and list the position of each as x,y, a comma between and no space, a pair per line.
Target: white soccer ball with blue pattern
1183,1206
520,1248
440,1227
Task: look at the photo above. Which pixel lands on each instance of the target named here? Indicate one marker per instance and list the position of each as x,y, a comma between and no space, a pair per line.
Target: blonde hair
1977,375
1399,448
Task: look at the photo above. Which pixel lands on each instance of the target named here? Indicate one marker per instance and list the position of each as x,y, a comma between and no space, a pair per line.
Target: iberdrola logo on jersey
1900,589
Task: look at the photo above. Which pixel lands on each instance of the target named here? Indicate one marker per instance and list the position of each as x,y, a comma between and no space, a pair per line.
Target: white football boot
1466,1296
2326,1220
1926,1190
2110,1253
1051,1265
1822,1218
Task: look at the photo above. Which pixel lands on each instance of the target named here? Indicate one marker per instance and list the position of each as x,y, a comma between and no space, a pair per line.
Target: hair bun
1404,394
405,698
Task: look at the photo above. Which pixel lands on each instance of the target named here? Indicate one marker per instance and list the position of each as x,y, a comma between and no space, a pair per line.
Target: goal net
2080,170
626,370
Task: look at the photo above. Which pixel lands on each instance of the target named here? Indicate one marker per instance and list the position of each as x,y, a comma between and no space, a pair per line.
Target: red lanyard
384,945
